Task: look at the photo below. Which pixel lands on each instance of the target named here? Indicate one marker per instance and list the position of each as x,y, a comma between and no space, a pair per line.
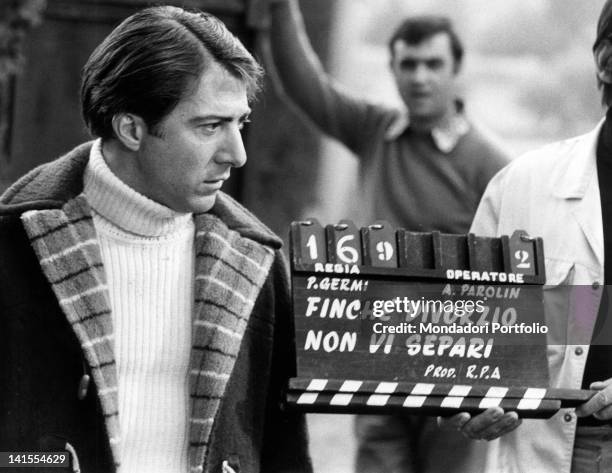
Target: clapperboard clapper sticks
376,397
434,323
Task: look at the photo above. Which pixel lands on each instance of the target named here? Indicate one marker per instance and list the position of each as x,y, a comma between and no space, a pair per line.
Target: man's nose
419,73
233,151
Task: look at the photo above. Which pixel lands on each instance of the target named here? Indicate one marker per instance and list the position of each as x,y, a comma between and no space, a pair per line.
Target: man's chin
420,112
201,204
195,204
424,118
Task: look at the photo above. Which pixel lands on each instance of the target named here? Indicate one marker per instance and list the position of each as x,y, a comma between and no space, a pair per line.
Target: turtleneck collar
122,206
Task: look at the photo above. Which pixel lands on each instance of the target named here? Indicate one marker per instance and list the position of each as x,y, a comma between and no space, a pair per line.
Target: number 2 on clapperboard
523,257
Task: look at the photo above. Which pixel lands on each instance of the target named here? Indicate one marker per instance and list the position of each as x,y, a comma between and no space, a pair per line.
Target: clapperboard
388,320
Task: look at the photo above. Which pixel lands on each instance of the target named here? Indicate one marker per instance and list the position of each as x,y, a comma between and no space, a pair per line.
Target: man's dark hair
602,50
148,63
415,30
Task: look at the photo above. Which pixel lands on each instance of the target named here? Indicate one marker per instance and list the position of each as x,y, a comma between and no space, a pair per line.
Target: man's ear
129,130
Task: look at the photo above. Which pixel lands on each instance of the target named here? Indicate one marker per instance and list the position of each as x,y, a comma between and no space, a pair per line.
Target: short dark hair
602,49
148,63
415,30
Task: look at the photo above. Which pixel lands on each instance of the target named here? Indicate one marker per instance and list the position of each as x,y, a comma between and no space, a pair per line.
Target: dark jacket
42,360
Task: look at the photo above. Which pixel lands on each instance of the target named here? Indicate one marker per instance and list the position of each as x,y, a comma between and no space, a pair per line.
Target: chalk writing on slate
387,319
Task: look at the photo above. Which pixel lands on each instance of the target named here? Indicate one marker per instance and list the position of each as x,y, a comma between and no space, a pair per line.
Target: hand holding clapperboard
388,320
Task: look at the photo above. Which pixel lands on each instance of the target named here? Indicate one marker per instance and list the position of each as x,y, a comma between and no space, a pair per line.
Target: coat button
83,387
578,351
567,417
595,285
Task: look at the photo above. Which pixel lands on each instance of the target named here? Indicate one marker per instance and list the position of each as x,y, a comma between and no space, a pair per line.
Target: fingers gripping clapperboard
388,320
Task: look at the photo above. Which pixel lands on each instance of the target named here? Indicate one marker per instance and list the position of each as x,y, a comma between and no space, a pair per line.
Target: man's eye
243,122
210,127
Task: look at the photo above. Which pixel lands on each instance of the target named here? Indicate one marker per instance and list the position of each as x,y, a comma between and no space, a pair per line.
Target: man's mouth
216,183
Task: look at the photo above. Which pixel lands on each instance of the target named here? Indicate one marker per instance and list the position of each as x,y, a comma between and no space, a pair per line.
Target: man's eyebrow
218,117
422,58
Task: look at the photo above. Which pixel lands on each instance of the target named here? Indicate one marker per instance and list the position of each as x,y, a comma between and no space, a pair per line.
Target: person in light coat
562,193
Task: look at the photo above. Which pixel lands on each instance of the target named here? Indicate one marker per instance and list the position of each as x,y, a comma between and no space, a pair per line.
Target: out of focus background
528,78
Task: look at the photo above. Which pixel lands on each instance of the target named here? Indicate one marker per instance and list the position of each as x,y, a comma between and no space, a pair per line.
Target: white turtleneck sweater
148,256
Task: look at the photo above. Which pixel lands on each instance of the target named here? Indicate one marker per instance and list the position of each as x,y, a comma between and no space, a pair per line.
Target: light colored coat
553,193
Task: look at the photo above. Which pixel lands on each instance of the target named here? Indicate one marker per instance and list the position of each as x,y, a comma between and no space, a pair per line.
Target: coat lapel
578,185
64,241
230,272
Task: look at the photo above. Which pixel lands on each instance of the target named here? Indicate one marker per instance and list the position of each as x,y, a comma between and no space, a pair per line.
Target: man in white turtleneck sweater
166,329
148,253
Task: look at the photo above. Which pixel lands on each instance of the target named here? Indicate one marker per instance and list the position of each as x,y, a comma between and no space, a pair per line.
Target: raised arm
349,119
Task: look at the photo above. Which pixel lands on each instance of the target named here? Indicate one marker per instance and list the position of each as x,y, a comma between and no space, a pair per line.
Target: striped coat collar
231,269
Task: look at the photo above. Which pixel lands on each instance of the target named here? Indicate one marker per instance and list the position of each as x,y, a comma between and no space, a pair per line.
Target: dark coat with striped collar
56,328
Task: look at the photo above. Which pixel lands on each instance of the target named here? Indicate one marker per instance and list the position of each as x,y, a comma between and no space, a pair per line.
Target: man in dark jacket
144,313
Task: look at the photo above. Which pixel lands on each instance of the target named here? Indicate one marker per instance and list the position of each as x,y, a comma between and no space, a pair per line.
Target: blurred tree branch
16,19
